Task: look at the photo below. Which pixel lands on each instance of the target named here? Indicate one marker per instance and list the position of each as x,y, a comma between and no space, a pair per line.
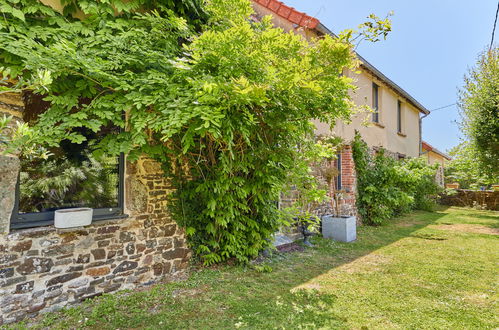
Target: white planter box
343,229
77,217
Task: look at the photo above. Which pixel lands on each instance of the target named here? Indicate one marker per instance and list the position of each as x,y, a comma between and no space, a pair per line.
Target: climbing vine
224,103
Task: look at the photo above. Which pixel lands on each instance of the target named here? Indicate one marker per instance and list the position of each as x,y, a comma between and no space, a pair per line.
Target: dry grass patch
307,286
467,228
478,299
367,264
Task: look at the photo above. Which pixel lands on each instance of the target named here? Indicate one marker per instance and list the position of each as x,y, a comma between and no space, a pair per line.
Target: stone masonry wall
348,186
11,105
487,200
9,167
43,269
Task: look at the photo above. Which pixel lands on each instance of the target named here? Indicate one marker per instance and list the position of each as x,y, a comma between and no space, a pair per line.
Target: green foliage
479,104
4,130
262,268
387,187
465,169
302,185
416,178
245,127
225,106
19,139
371,30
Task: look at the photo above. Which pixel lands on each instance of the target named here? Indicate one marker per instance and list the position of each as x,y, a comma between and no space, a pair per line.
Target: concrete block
342,229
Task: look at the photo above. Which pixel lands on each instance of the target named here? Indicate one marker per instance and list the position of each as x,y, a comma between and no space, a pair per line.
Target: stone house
395,124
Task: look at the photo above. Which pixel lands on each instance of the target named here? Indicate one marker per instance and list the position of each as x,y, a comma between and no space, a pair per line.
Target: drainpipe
421,133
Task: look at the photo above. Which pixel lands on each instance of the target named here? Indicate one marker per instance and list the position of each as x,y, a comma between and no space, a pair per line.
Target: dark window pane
375,103
399,116
70,177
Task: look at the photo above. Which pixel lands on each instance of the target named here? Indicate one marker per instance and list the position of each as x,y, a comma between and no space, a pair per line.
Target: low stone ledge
472,198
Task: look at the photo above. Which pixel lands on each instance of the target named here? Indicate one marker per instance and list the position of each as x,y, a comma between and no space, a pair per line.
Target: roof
303,20
289,13
428,147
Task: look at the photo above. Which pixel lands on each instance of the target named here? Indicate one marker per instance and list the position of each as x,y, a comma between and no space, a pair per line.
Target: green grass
424,270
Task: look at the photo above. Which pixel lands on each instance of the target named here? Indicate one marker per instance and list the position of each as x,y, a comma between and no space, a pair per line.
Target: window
375,104
72,176
338,166
399,116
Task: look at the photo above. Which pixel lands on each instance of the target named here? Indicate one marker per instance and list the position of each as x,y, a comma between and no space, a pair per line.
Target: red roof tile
289,13
426,146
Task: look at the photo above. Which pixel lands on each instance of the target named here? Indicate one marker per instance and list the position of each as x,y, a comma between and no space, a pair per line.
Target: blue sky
431,47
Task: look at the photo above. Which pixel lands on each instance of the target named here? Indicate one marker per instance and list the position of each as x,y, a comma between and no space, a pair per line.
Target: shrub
417,178
387,187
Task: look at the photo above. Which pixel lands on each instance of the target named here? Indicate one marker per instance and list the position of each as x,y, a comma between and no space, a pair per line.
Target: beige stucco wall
55,4
385,134
433,157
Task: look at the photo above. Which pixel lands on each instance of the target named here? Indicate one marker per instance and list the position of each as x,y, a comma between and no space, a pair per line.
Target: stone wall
439,176
488,200
44,269
11,105
9,167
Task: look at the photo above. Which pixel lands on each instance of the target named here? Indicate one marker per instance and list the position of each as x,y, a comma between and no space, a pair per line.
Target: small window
72,176
399,116
375,104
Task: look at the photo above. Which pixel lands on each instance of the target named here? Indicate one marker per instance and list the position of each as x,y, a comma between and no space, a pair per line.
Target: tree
479,104
464,168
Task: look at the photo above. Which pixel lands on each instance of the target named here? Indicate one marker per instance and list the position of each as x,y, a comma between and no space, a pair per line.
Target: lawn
423,270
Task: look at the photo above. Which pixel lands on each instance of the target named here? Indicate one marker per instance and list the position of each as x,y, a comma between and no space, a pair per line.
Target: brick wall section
348,182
